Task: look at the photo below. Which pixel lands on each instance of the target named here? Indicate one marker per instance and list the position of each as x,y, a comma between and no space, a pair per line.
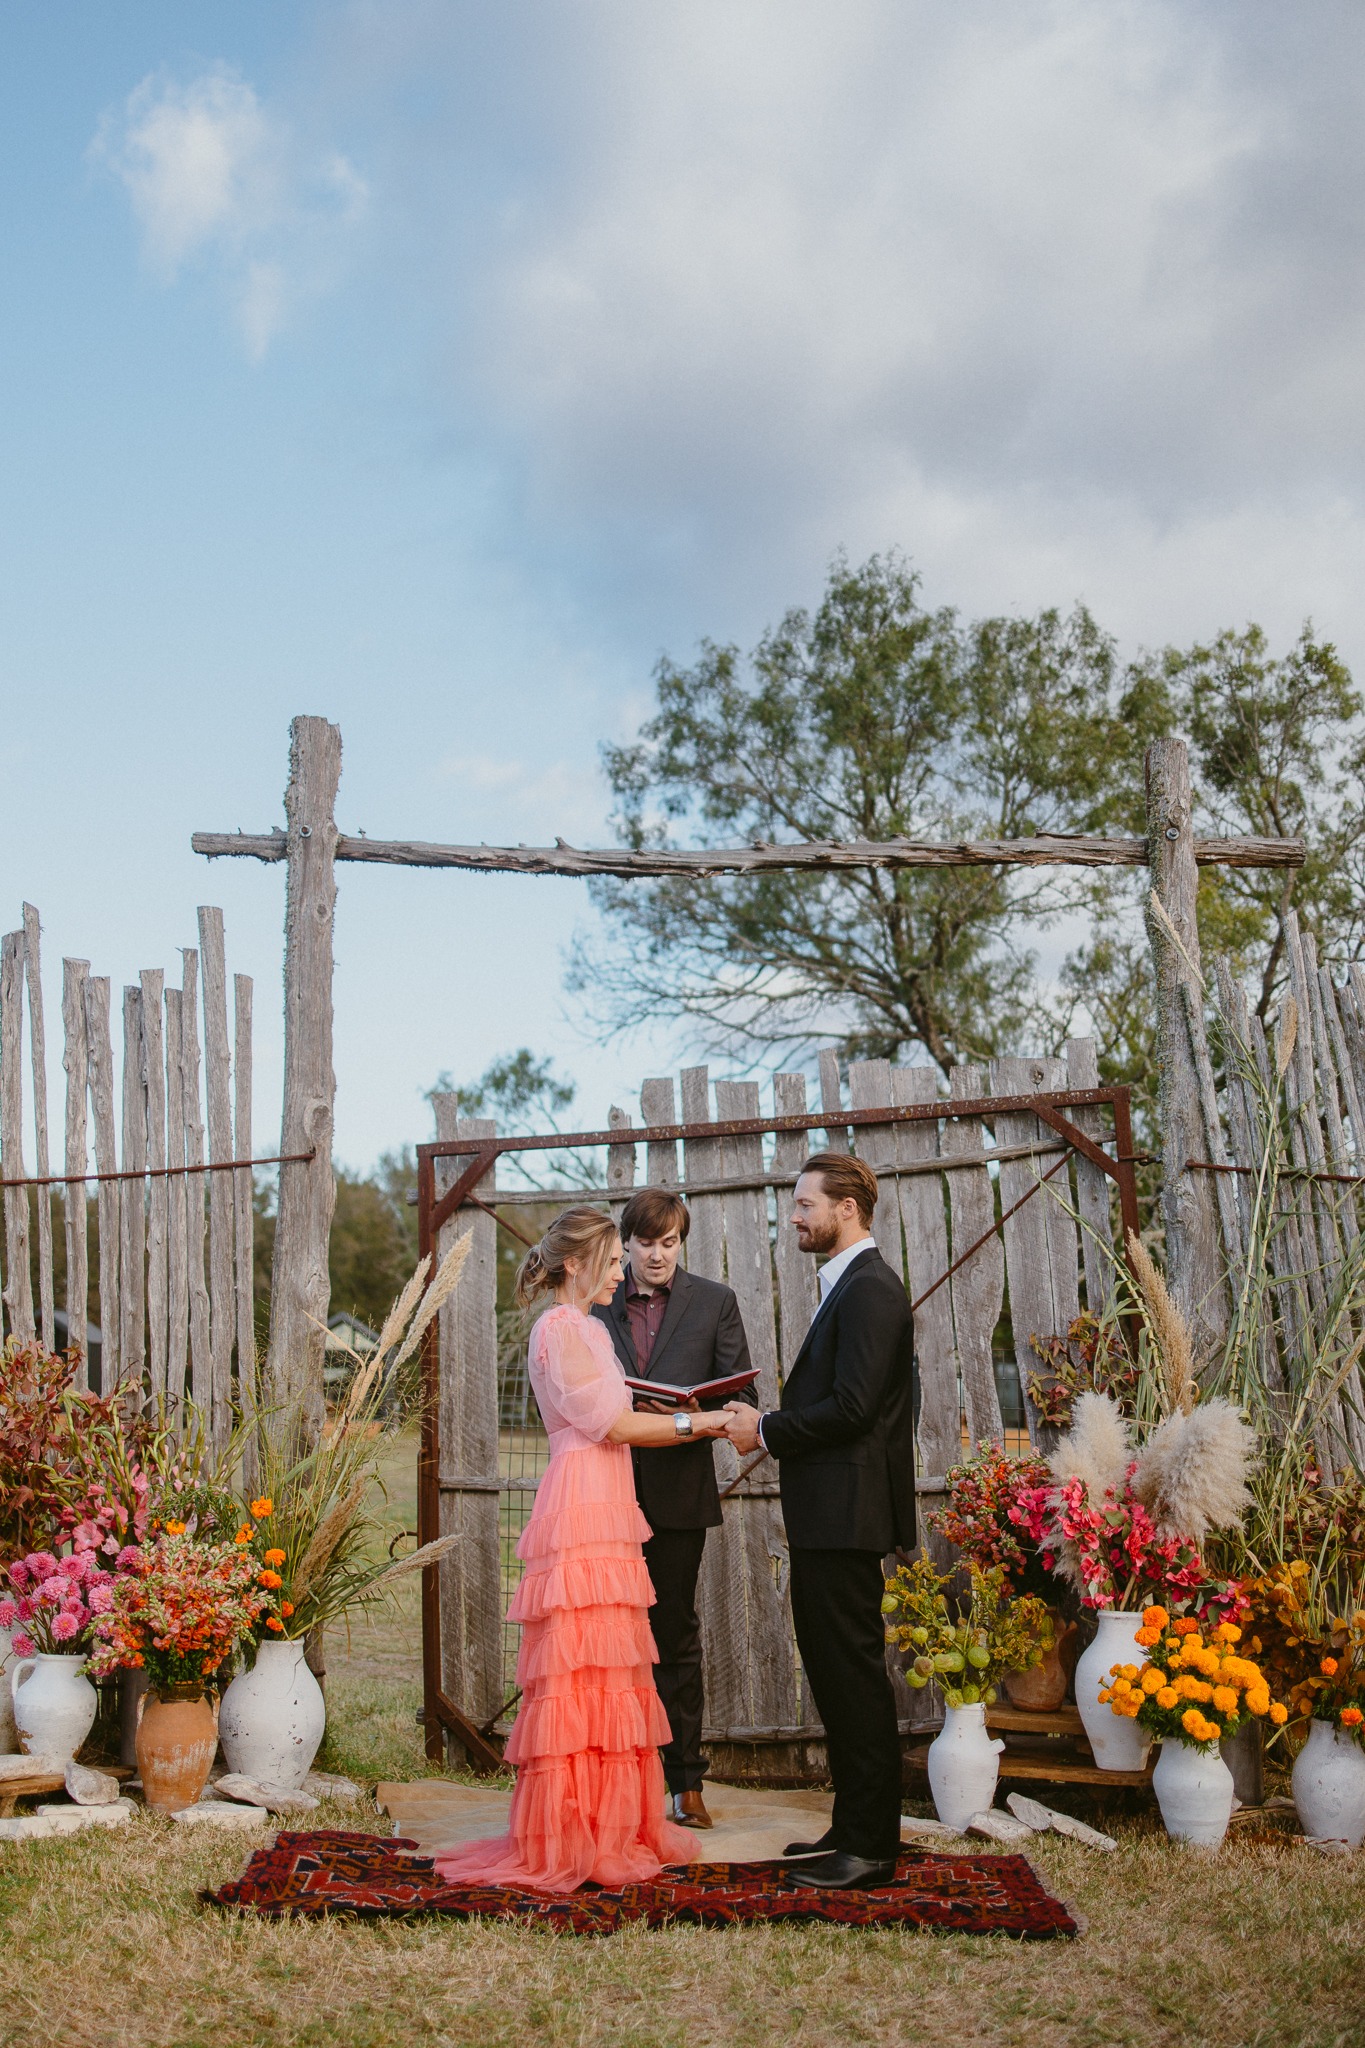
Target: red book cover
709,1390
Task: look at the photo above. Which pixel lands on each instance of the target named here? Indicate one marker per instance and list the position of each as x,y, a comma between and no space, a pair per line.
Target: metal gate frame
440,1714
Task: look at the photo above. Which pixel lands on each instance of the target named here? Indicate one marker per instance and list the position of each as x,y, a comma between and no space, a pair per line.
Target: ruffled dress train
589,1799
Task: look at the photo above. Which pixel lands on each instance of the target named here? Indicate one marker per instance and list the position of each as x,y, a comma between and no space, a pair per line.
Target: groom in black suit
672,1325
844,1441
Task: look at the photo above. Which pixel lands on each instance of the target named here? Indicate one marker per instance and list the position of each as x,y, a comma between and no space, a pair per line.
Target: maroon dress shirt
645,1313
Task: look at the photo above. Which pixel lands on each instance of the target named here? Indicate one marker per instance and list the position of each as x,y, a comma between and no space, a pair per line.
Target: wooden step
1059,1770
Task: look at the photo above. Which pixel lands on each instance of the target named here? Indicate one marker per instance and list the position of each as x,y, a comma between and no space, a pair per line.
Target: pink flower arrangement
1115,1555
57,1601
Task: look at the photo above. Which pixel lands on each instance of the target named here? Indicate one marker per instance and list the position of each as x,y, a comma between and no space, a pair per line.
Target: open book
709,1390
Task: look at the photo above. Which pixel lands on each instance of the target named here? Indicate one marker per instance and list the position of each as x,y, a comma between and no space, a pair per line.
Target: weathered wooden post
1188,1203
300,1290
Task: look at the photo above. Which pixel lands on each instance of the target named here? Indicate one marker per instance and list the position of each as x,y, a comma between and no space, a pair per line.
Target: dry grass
106,1946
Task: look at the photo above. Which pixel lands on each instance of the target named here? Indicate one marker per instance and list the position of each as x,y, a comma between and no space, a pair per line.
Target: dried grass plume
1169,1331
1191,1474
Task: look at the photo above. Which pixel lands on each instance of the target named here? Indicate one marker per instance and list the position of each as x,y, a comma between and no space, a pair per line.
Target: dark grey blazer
844,1435
701,1338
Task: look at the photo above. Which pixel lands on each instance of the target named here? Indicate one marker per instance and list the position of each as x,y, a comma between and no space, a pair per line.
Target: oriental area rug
382,1877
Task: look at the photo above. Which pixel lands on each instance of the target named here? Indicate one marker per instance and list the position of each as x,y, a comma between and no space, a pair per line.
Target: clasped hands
737,1420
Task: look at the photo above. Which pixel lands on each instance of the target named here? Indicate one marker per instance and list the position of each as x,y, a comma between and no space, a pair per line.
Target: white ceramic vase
964,1766
1194,1791
1329,1785
9,1734
272,1717
1118,1744
54,1705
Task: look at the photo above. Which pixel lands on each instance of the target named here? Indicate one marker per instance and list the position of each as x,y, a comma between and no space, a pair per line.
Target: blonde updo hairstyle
582,1234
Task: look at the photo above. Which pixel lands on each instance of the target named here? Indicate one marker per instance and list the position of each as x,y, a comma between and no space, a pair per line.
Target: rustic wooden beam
300,1287
1050,850
1187,1201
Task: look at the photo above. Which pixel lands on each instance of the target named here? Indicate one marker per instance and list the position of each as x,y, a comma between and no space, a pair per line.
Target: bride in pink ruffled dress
589,1799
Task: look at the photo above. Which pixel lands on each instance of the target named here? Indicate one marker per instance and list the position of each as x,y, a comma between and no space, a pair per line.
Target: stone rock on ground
221,1813
91,1788
1000,1827
50,1821
928,1830
258,1792
1040,1818
30,1766
324,1785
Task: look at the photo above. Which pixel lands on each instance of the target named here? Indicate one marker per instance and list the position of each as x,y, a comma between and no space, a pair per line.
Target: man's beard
819,1237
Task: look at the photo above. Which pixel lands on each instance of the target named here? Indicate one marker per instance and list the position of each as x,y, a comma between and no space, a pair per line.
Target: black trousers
674,1560
837,1609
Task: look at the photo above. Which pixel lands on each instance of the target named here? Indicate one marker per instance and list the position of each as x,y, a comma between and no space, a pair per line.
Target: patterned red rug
334,1872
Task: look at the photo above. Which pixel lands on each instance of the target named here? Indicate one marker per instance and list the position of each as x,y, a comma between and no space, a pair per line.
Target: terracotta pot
177,1739
1042,1690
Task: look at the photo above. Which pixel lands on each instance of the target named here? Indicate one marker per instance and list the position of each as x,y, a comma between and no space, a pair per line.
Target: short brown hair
653,1212
846,1179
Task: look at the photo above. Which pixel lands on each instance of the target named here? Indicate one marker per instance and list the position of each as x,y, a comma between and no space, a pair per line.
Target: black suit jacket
844,1435
701,1338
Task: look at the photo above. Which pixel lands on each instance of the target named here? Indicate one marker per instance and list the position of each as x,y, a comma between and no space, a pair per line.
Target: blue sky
438,366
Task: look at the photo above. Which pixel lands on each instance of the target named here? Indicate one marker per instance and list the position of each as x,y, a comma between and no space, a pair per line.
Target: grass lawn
103,1944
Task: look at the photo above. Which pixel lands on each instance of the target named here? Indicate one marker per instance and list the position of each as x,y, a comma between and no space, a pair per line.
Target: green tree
871,719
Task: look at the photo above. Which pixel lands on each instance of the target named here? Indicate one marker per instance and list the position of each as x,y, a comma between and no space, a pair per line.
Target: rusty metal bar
70,1180
1352,1180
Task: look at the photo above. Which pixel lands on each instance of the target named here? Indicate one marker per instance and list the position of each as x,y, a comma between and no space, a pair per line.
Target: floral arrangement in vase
987,1520
54,1602
1316,1656
1190,1688
176,1609
968,1652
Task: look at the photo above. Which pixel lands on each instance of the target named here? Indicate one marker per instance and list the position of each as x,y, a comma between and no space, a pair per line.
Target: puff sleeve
583,1389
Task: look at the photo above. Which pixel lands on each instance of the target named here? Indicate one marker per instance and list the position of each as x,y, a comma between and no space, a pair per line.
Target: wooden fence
160,1132
948,1184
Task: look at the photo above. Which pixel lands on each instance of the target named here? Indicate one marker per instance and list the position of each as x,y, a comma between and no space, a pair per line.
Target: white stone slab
257,1792
913,1830
1000,1827
29,1766
91,1788
52,1821
222,1813
326,1785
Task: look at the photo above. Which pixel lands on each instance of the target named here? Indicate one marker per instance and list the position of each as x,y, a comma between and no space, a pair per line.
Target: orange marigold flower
1168,1697
1185,1625
1328,1667
262,1507
270,1579
1351,1717
274,1557
1152,1679
1147,1636
175,1528
1279,1715
1155,1617
286,1607
243,1536
1225,1699
273,1621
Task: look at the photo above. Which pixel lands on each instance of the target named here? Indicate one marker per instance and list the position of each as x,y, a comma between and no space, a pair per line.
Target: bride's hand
708,1422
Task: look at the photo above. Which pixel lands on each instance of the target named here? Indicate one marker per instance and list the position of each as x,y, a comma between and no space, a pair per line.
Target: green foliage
968,1647
871,719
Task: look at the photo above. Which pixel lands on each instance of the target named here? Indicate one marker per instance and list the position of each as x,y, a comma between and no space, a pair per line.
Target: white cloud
214,176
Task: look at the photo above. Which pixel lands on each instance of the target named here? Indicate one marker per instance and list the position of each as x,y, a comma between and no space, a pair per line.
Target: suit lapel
840,1284
673,1315
619,1324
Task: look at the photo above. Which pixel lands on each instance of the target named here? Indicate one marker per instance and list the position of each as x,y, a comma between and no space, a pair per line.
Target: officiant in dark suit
672,1325
843,1439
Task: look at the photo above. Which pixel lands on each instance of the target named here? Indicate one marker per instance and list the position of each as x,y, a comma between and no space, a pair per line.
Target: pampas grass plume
1096,1449
1191,1473
1169,1331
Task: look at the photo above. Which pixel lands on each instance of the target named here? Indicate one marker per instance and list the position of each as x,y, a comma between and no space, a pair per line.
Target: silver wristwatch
682,1425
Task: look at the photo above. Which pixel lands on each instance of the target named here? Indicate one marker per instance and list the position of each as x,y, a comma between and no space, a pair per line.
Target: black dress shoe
839,1871
819,1848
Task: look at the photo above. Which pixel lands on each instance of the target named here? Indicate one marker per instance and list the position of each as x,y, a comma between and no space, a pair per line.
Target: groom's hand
741,1426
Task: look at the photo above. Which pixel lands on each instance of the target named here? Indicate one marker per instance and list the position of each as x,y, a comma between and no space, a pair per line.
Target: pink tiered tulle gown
589,1797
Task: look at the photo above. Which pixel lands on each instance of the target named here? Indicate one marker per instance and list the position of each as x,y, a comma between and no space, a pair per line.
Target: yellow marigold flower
1168,1697
1201,1692
1187,1686
1155,1617
1279,1715
262,1507
1225,1699
1131,1705
1258,1701
1192,1721
1152,1680
1173,1643
1228,1632
1129,1671
1104,1695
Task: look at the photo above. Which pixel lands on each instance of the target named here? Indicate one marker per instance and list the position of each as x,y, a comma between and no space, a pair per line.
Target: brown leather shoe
688,1809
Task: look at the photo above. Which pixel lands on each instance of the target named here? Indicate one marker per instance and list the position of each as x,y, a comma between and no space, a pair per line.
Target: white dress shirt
828,1277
